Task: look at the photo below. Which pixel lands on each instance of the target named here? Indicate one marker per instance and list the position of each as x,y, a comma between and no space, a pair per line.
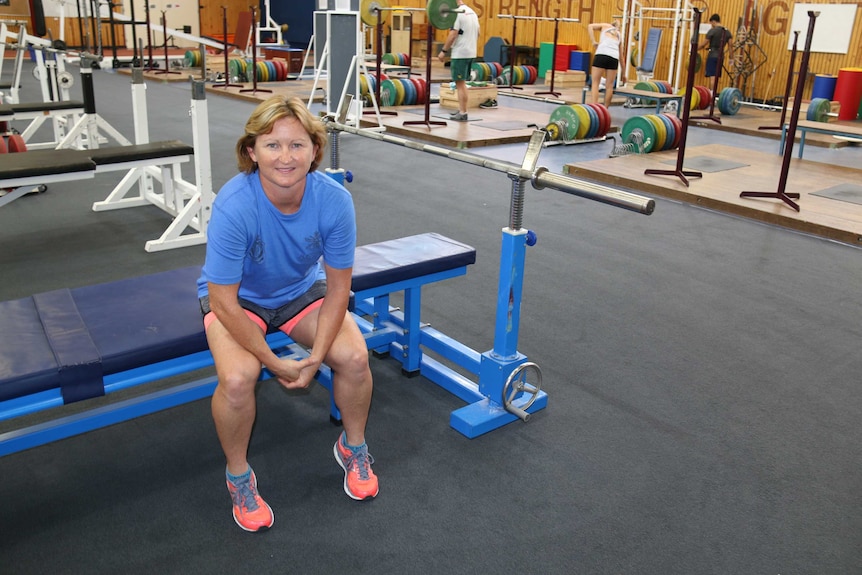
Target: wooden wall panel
769,55
212,16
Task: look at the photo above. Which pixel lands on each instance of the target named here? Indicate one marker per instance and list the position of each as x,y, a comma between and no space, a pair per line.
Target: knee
237,386
351,361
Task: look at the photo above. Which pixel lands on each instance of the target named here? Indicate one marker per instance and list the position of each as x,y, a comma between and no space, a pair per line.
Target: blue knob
348,175
531,238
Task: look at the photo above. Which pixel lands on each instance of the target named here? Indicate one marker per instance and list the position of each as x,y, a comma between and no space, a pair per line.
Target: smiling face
284,157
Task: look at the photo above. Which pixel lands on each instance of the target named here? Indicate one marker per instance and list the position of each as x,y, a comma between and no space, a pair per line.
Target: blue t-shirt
276,257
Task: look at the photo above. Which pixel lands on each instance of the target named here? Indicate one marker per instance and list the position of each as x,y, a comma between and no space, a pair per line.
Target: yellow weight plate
660,131
583,120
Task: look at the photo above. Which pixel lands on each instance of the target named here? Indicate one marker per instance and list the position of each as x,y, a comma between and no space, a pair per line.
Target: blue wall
298,15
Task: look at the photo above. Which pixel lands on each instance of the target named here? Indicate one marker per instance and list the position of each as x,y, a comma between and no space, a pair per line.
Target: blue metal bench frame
382,269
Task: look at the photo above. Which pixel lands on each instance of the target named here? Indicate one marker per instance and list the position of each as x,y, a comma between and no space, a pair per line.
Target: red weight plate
16,144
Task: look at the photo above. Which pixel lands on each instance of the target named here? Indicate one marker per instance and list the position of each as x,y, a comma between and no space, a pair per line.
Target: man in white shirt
462,40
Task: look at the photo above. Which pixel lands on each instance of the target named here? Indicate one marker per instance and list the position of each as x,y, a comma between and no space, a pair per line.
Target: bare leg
609,86
233,403
351,376
595,79
461,87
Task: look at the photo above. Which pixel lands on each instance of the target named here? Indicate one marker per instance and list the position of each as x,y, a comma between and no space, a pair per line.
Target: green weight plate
477,72
566,115
189,59
647,86
388,93
642,125
441,13
819,110
583,121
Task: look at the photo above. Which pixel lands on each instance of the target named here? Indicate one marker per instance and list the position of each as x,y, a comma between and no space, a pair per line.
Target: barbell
441,13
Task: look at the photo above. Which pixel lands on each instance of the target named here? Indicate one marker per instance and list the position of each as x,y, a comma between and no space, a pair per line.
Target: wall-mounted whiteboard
832,28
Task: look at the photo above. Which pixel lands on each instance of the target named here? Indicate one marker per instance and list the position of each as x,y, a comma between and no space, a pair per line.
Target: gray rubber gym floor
702,372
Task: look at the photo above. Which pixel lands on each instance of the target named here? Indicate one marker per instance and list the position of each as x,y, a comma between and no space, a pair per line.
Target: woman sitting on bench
279,256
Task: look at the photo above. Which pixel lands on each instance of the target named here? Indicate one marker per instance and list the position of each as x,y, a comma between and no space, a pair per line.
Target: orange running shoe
359,480
250,511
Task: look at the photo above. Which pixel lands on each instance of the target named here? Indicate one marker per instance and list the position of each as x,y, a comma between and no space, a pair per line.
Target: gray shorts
275,318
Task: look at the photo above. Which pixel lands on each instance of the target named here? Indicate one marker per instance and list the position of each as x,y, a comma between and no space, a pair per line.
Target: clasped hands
295,373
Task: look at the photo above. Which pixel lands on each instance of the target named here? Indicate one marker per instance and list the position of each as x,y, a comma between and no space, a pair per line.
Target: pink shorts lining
287,327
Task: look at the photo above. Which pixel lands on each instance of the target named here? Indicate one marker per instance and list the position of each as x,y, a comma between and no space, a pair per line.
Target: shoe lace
361,461
245,497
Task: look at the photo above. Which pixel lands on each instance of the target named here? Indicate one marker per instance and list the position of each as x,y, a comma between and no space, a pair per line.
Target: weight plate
272,72
420,89
368,12
441,13
388,93
660,132
16,144
819,110
729,101
606,119
693,99
554,130
477,72
668,130
583,120
677,129
594,122
399,92
568,116
642,125
706,99
409,92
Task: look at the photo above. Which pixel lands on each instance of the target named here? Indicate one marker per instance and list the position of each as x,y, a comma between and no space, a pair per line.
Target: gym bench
853,133
39,167
161,162
72,345
39,112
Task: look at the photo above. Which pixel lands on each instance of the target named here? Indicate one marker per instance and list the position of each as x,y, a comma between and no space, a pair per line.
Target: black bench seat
45,166
40,107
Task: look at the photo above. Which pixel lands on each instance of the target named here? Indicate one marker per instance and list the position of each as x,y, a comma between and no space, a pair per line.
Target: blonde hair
264,117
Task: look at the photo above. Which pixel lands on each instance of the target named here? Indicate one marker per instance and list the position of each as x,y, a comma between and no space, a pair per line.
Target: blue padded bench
74,344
